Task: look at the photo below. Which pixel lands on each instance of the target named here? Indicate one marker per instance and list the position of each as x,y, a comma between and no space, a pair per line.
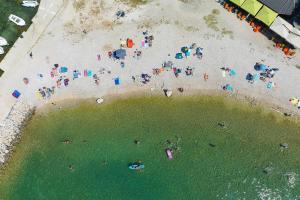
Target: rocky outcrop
11,126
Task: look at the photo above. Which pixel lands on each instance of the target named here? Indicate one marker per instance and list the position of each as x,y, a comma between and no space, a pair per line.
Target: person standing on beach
205,76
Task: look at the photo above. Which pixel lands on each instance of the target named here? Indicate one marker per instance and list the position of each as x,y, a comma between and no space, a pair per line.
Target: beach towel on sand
16,94
232,72
63,70
117,81
87,73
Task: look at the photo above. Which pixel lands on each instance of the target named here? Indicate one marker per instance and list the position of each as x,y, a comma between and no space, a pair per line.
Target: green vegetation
9,30
79,4
134,3
211,20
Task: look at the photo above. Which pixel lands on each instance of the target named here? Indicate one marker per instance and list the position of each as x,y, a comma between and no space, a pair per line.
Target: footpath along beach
72,47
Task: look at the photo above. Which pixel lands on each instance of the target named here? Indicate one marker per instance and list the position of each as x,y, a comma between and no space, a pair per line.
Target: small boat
3,41
17,20
136,166
31,4
1,50
169,153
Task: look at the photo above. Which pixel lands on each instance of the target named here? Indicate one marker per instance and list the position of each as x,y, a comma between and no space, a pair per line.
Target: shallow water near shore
242,160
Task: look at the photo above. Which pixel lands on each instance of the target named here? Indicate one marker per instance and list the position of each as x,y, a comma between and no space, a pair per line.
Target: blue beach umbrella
179,56
260,67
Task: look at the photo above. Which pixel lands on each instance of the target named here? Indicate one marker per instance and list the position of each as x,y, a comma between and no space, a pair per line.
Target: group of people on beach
59,73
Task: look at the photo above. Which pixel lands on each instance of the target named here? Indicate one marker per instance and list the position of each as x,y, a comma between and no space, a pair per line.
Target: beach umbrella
119,54
266,15
129,43
294,38
178,56
252,6
281,27
238,2
184,49
282,7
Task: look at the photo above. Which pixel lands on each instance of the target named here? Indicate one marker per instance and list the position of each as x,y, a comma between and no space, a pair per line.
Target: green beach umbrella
266,15
238,2
251,6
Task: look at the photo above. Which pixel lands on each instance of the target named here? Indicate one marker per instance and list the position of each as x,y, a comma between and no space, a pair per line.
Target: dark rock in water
71,167
222,124
67,141
212,145
284,145
104,162
268,170
137,142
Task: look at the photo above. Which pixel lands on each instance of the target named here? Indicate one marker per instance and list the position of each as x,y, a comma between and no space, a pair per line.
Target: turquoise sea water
210,162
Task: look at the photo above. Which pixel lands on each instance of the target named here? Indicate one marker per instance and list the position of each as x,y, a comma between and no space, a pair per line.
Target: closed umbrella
266,15
294,38
238,2
281,27
252,6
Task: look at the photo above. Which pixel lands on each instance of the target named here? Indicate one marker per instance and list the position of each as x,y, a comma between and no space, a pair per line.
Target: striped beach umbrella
252,6
266,15
237,2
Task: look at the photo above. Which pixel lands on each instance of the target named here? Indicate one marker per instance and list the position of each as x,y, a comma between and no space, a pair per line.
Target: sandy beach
73,34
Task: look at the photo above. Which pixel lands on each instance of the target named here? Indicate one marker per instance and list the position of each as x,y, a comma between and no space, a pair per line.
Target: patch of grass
191,29
211,20
134,3
297,66
215,12
227,32
185,1
79,4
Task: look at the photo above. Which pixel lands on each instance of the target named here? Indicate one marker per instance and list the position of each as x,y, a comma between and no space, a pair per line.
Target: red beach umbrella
130,43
